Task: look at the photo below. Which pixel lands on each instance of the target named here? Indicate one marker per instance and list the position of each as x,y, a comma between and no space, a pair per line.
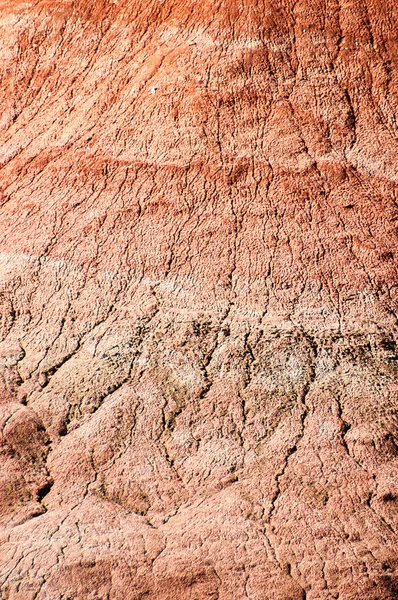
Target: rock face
198,258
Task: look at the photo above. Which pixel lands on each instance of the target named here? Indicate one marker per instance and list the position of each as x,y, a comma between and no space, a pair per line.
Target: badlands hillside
199,299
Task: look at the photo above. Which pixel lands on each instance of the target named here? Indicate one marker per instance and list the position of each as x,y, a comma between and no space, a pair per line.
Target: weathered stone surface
198,257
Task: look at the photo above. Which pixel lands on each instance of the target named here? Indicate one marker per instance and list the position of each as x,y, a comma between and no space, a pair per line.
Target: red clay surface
198,288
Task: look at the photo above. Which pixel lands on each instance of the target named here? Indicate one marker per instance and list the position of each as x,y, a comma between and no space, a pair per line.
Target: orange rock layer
199,300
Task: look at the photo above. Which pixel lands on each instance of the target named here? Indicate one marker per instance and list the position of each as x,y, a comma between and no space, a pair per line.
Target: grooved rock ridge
199,300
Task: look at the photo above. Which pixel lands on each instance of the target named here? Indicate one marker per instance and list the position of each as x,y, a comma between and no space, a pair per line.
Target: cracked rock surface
199,300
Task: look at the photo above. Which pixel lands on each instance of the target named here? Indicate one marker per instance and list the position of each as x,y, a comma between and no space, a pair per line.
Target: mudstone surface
199,300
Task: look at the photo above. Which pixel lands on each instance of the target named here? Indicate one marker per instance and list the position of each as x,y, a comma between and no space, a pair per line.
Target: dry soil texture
199,300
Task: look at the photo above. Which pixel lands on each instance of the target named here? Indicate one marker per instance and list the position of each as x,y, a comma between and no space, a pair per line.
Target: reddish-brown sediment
198,252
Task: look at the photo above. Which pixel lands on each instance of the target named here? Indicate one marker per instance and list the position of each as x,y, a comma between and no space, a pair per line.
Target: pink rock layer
198,257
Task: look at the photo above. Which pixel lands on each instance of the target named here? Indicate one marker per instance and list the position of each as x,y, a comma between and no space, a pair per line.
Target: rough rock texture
198,237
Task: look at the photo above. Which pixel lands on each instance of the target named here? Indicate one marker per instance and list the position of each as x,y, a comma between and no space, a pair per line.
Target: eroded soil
198,256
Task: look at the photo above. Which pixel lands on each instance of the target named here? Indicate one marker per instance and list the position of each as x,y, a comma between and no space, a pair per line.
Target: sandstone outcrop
198,259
